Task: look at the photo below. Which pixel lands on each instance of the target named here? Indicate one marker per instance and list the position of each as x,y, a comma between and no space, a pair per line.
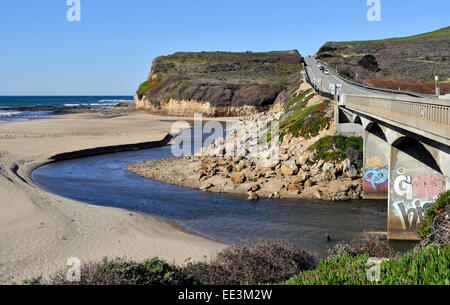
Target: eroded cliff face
190,107
219,83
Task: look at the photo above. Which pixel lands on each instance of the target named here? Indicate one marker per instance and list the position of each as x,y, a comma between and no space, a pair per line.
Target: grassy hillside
221,78
414,59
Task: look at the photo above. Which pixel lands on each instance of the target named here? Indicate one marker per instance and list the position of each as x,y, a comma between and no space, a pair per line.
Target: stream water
101,180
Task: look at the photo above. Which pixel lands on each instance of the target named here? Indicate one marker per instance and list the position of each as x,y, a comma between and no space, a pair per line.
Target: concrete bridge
406,152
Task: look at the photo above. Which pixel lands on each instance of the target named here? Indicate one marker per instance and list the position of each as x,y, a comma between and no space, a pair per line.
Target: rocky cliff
219,83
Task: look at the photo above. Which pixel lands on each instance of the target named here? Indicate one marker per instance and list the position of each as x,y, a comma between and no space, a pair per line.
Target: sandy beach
40,231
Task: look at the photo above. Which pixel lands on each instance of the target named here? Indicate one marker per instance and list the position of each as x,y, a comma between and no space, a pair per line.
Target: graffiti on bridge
411,214
376,177
418,194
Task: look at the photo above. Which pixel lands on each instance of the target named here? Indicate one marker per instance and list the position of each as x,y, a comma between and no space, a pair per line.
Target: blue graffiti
376,176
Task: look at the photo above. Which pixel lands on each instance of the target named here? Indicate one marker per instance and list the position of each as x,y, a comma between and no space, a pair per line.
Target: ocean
19,108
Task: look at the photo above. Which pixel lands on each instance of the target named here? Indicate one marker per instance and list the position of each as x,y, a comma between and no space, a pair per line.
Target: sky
110,50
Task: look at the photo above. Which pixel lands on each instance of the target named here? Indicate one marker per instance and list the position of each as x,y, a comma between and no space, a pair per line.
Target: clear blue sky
110,51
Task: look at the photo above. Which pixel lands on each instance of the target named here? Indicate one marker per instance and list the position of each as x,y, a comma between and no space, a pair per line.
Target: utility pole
437,91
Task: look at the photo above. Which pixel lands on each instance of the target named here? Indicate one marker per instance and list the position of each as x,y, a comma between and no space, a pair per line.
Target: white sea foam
116,101
8,113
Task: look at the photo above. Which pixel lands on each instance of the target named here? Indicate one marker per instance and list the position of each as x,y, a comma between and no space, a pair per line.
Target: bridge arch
375,129
415,149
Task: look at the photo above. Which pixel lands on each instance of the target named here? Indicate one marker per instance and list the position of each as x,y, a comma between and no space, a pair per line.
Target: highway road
323,80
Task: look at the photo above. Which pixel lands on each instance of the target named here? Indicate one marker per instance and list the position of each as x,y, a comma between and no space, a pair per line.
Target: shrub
429,266
124,272
263,262
307,122
364,243
432,211
148,85
334,148
369,62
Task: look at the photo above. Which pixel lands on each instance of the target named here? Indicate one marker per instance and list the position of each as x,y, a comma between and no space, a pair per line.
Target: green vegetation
149,85
270,262
444,32
187,60
429,266
413,59
224,79
437,207
265,261
310,121
302,121
299,102
334,148
123,272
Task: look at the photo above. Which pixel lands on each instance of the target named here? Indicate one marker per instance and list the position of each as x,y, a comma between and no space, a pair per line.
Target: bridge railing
430,115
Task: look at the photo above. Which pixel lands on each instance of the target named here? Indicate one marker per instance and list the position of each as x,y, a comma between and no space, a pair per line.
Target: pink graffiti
428,186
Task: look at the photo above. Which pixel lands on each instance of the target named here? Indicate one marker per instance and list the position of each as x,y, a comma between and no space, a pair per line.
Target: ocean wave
116,101
96,104
8,113
23,114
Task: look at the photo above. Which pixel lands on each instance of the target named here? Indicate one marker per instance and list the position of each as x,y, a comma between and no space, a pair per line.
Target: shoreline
111,150
40,230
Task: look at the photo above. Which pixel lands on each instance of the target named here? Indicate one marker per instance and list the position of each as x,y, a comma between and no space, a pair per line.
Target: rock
309,183
239,167
275,195
284,157
354,155
301,160
270,174
349,168
318,194
222,162
301,178
218,142
202,170
327,166
306,167
289,168
206,186
253,196
254,188
314,171
238,177
294,188
320,163
229,187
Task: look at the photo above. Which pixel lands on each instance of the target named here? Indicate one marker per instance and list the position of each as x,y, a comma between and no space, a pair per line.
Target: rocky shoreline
248,170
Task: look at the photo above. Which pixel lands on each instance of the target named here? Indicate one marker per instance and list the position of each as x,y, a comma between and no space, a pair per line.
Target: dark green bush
369,62
124,272
432,211
334,148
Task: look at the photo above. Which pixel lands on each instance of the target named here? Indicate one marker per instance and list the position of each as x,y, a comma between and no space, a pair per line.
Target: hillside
405,62
218,83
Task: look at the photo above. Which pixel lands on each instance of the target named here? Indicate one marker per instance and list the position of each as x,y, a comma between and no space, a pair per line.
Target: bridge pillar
375,162
415,181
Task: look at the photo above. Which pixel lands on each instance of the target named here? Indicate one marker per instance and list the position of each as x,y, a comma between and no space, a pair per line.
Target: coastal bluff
219,83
